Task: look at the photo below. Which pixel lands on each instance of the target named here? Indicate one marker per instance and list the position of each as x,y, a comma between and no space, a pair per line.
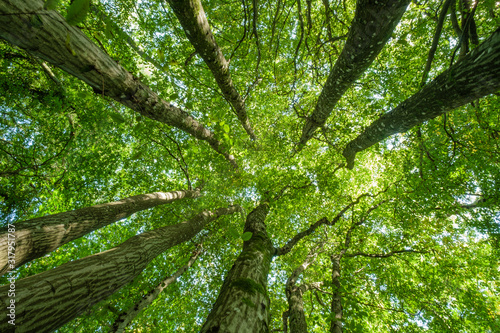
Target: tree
360,140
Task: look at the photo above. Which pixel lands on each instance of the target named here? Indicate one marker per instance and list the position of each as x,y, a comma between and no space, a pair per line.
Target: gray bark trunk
243,304
194,22
296,316
126,317
373,24
66,47
336,308
46,301
473,77
37,237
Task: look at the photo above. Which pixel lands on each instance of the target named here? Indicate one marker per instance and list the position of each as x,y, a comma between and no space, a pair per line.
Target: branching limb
68,48
475,76
194,22
373,24
435,41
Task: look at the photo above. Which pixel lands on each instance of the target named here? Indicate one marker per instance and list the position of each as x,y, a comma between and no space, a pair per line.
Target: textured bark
296,316
37,237
45,34
371,28
126,317
243,304
473,77
294,295
50,299
336,308
194,22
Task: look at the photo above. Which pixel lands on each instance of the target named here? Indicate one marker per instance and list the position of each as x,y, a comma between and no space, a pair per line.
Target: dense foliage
420,234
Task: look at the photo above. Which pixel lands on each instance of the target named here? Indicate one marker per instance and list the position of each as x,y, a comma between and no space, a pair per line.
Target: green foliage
63,147
77,11
246,236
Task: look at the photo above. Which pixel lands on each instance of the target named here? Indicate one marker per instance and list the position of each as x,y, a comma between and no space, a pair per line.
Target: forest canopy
250,166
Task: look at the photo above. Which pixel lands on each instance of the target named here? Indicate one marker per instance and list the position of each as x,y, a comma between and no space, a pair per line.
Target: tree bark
243,303
194,22
373,24
45,34
37,237
473,77
126,317
46,301
336,308
294,294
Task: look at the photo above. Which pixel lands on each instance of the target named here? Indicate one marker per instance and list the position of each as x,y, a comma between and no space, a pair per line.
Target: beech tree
339,164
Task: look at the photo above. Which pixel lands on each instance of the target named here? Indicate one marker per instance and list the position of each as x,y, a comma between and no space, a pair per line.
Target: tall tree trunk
373,24
473,77
296,316
37,237
194,22
126,317
336,309
47,35
294,294
243,304
46,301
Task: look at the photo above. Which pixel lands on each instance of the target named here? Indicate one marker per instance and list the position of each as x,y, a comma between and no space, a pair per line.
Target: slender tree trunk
373,24
473,77
294,293
336,308
243,304
45,34
46,301
126,317
296,316
194,22
37,237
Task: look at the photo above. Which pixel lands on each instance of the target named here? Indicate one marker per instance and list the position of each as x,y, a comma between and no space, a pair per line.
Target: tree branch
475,76
373,24
194,22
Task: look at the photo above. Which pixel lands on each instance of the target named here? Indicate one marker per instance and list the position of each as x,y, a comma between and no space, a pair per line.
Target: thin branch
435,41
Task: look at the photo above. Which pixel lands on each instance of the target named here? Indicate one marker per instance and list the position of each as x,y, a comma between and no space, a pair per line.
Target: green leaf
233,232
77,11
246,236
226,128
117,118
51,4
137,155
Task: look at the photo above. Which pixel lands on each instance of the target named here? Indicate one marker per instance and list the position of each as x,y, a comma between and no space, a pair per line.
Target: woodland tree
339,162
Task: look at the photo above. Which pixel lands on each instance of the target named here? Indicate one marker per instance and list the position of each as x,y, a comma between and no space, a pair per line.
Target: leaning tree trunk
243,303
194,22
46,301
127,316
37,237
46,34
473,77
371,28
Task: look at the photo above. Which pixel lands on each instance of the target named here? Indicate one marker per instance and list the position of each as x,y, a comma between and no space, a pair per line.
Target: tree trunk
336,309
37,237
45,34
194,22
46,301
243,303
126,317
473,77
296,316
373,24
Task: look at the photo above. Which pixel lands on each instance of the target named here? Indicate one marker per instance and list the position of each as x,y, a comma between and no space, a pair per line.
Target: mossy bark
46,301
243,303
37,237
